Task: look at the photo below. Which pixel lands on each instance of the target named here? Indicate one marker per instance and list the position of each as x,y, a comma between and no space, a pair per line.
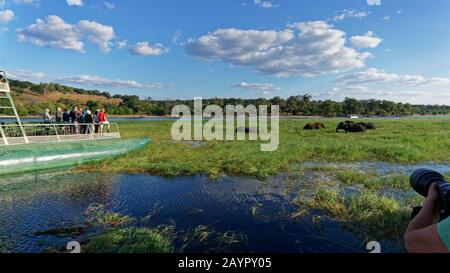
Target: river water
261,211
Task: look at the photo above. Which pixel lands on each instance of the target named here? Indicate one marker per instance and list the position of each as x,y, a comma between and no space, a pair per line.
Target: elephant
366,125
369,126
314,126
351,127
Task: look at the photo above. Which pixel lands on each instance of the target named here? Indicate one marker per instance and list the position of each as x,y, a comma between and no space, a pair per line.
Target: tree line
295,105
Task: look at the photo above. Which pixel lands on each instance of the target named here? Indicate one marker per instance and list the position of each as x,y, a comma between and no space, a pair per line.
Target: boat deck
50,139
10,134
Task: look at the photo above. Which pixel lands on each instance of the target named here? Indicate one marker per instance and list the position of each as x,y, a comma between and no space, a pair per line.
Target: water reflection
261,210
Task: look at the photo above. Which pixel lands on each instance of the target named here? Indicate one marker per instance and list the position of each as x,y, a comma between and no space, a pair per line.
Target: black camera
421,181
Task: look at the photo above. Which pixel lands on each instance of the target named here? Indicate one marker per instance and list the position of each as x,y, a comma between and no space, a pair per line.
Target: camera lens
422,179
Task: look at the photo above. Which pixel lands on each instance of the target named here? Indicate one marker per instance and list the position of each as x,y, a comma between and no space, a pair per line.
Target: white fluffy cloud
85,80
98,34
377,76
54,32
176,36
265,4
75,2
302,49
350,13
419,96
122,44
368,40
6,16
25,75
27,2
109,6
378,84
96,81
268,87
145,49
374,2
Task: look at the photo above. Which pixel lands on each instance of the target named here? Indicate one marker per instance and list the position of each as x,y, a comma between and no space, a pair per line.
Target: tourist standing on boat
96,121
88,120
59,115
47,117
103,120
66,116
66,120
2,78
83,121
59,119
74,120
79,114
79,121
47,120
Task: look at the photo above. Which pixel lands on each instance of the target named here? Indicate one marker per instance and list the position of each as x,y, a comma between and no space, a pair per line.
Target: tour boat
29,146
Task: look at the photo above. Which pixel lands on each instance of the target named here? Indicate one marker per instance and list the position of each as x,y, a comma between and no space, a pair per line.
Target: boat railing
11,134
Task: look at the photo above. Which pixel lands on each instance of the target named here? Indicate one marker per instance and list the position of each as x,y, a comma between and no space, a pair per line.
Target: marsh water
261,211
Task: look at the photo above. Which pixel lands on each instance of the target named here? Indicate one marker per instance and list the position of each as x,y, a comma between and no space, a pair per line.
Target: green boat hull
38,157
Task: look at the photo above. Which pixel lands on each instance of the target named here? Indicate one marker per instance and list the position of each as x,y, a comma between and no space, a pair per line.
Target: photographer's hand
422,235
430,210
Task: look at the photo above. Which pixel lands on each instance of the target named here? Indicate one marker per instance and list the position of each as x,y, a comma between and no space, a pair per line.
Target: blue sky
384,49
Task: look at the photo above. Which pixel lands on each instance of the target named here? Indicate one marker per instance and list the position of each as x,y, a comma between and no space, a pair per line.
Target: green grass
410,140
211,238
130,240
123,234
372,181
366,212
98,215
381,216
371,205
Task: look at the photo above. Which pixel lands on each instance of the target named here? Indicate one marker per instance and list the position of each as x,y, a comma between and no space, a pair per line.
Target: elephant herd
347,126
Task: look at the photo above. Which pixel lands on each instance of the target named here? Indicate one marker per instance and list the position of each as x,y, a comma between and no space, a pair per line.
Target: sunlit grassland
408,140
